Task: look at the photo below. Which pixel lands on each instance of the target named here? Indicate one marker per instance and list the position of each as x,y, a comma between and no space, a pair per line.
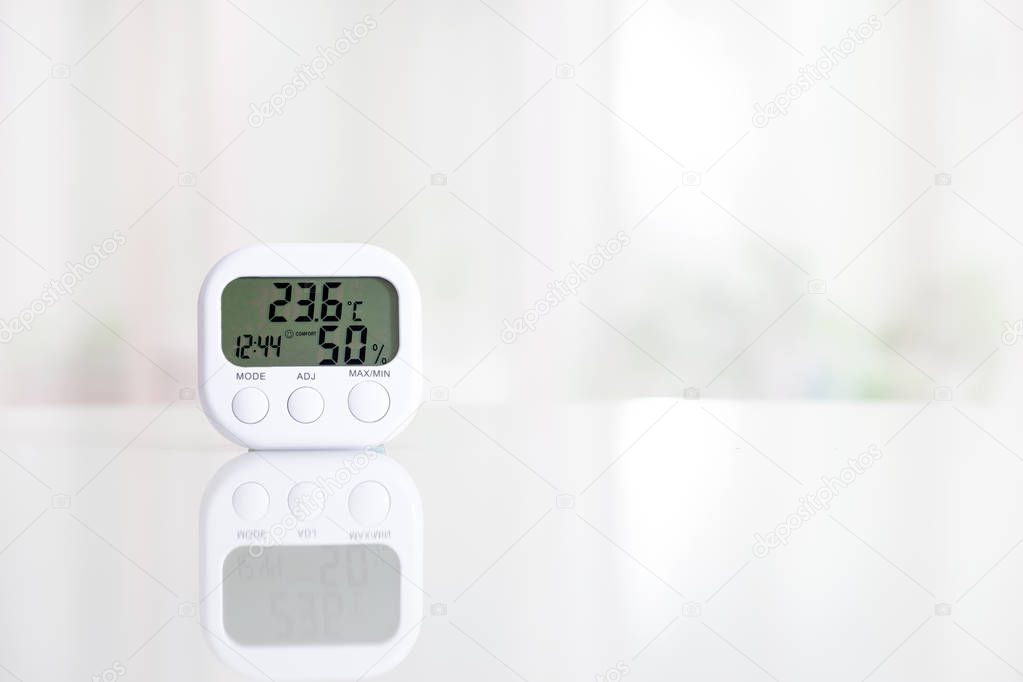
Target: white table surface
651,568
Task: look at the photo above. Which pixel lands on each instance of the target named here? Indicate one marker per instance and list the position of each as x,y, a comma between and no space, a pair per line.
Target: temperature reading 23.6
308,321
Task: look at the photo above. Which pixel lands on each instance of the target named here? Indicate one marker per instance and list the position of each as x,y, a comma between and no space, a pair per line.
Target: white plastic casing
220,380
278,472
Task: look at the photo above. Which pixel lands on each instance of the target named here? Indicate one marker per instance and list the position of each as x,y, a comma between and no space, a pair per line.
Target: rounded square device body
311,564
310,346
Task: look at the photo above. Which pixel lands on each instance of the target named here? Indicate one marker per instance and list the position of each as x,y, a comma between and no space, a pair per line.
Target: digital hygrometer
311,564
310,346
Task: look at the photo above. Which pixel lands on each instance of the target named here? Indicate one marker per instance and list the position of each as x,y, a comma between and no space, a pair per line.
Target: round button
251,501
306,500
369,503
369,401
305,405
250,405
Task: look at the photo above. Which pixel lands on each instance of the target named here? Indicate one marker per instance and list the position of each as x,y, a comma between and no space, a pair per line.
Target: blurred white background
137,118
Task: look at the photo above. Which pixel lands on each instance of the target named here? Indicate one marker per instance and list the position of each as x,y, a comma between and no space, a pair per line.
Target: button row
367,401
369,502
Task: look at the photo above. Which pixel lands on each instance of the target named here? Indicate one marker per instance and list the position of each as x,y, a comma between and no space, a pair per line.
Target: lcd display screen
309,321
312,594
